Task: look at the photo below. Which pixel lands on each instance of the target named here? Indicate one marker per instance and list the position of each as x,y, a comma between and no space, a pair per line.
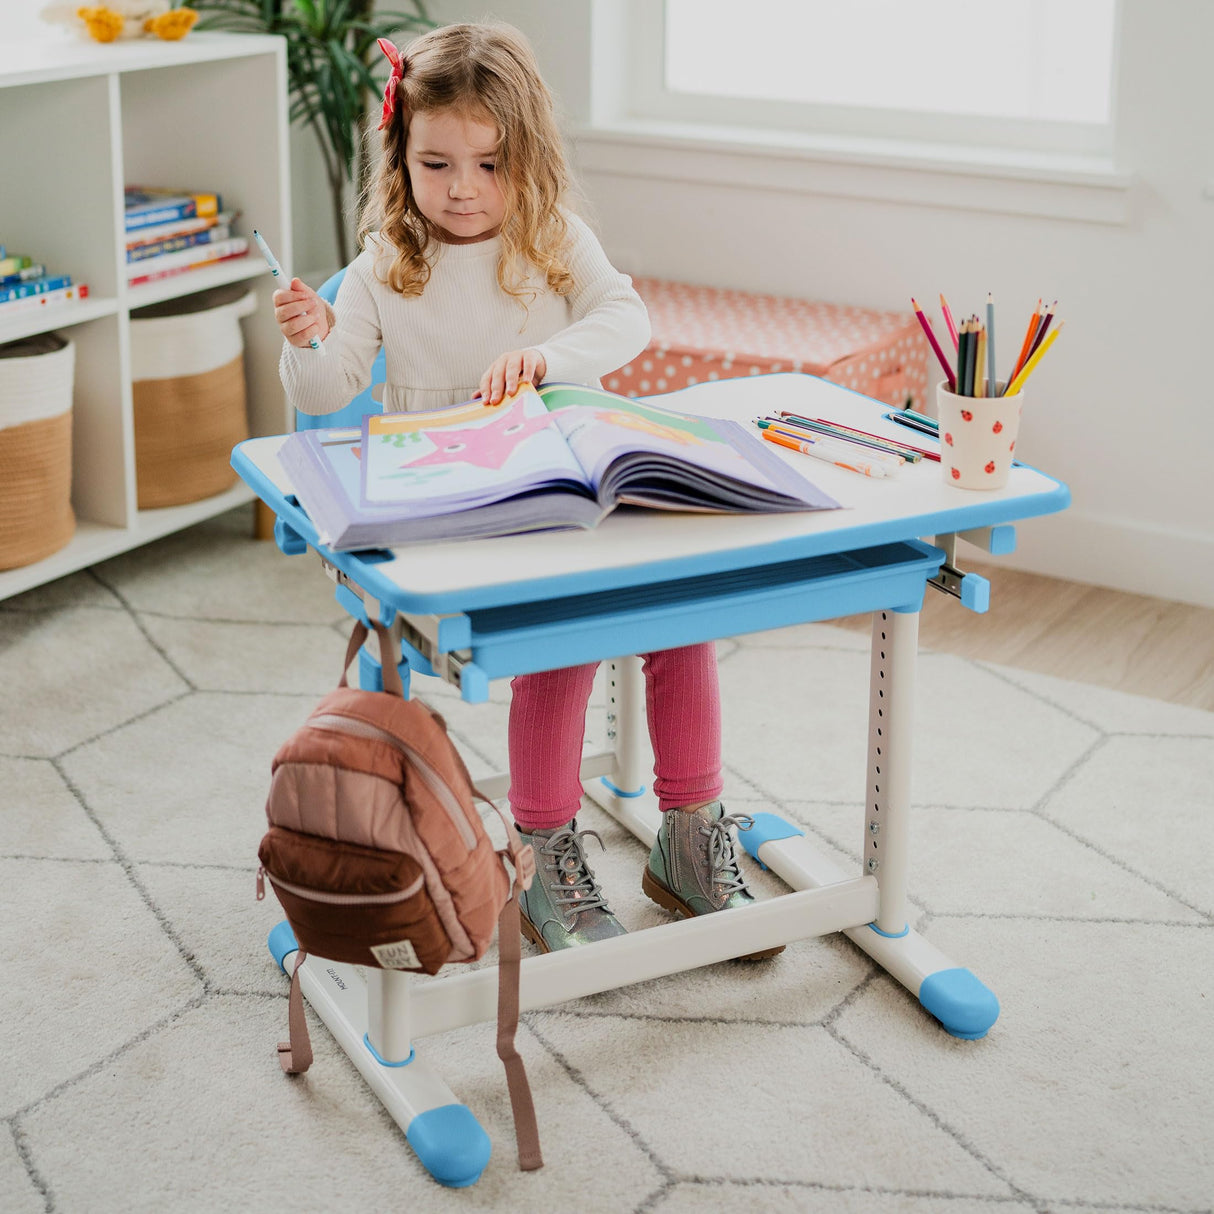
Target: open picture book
563,456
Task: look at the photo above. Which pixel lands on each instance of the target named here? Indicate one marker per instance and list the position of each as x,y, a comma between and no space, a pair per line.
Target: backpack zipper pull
261,882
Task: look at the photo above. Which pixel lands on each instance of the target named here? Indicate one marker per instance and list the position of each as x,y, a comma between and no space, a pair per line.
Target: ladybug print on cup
989,468
997,427
966,415
948,438
956,473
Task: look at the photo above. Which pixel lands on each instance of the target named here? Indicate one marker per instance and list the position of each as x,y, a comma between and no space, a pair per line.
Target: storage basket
187,368
36,519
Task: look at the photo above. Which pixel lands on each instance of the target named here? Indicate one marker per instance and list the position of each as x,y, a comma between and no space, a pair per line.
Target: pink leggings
548,725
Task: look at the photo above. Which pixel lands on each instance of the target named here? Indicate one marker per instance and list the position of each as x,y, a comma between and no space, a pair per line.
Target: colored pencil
1046,320
846,435
838,442
949,321
933,422
805,427
965,338
931,337
895,446
1031,365
992,384
912,424
980,361
1029,334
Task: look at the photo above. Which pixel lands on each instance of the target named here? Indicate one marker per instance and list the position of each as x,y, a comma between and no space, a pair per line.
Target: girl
473,277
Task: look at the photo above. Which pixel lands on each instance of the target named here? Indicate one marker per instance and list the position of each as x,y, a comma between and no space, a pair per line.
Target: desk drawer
553,633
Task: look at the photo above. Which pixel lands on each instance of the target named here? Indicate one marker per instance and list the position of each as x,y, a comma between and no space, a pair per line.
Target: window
1030,74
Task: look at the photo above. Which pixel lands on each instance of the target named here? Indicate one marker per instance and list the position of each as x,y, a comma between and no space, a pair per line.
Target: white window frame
619,139
649,99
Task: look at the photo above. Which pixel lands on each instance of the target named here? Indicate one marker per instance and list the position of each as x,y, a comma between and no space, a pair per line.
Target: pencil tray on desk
188,384
37,377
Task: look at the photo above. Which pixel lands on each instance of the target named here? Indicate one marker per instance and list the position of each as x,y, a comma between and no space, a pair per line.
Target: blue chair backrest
364,402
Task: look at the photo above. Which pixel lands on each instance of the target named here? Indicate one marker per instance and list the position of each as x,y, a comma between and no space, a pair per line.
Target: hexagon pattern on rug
1059,849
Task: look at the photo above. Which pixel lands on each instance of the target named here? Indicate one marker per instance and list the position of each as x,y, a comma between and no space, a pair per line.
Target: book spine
147,207
136,219
26,275
187,257
176,244
168,272
46,299
38,287
177,227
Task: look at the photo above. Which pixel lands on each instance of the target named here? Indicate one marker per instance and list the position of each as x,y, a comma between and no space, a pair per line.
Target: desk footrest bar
638,814
954,996
445,1134
454,1001
601,763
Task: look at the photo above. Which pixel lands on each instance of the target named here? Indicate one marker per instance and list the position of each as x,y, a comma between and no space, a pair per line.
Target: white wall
1122,409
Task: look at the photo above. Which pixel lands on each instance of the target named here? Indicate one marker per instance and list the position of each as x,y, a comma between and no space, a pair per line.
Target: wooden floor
1130,642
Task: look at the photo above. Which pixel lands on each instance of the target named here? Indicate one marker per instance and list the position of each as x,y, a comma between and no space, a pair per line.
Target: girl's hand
503,378
300,313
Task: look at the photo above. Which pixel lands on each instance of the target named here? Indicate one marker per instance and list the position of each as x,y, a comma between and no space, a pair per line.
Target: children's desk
645,580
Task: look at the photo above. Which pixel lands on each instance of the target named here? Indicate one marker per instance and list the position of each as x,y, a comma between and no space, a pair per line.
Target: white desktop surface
640,546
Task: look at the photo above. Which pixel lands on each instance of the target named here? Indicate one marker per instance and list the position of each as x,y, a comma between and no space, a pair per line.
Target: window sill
1086,189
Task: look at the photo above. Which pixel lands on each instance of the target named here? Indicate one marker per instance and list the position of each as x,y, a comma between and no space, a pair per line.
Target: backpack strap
295,1055
392,679
509,962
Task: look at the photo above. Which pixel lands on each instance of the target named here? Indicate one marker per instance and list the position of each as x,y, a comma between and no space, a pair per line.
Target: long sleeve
438,344
610,325
323,383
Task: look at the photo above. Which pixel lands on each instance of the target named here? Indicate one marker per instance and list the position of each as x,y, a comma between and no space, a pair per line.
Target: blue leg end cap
451,1144
281,943
960,1002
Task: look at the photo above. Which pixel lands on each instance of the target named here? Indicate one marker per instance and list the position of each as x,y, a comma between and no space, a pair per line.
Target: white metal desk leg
369,1018
890,730
962,1004
953,995
627,794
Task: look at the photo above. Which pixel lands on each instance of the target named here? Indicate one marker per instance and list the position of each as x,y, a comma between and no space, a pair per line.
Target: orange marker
824,452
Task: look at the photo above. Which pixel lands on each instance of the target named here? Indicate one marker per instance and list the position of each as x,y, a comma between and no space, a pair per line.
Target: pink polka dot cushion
704,333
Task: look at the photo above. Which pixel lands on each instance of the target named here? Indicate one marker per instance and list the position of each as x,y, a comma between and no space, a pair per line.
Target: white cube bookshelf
78,122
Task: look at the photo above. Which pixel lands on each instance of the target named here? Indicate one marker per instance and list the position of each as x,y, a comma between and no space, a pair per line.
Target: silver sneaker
693,867
564,906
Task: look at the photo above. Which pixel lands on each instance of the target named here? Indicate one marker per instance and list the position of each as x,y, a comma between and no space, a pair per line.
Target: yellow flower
170,26
103,24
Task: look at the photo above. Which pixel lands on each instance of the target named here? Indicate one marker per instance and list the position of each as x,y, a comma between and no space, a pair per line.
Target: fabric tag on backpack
399,956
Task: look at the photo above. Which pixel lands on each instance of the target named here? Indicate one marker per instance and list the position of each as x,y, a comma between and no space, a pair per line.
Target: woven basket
187,368
36,377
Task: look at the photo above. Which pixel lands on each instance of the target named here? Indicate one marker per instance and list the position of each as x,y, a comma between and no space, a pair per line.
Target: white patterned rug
1061,850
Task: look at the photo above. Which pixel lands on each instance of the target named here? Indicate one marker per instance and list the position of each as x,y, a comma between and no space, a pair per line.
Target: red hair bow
394,78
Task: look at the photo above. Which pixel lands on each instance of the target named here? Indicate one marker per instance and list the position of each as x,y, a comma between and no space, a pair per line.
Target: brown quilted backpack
378,855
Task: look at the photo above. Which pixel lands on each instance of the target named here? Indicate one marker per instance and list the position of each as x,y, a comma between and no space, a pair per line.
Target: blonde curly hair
487,73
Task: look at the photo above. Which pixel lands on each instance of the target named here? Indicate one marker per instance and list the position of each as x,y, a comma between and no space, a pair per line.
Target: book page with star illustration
565,456
467,455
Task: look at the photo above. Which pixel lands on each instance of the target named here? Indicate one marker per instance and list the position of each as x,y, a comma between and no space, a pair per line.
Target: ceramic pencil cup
977,437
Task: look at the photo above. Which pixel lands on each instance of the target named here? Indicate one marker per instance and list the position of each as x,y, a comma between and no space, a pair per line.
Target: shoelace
573,885
722,862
